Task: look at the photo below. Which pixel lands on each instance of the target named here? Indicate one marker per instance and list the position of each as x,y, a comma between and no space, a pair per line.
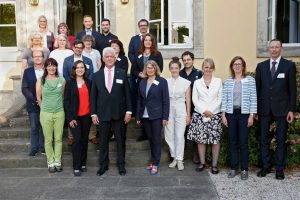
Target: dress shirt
277,62
76,59
39,72
88,31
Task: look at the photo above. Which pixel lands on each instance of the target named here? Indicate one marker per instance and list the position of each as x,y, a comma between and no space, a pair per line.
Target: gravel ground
257,188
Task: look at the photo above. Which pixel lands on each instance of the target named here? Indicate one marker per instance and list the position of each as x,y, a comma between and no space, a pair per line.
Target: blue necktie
273,69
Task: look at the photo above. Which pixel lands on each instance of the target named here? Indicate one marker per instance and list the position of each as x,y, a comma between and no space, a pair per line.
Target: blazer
29,90
69,62
138,64
134,46
248,96
71,98
95,34
207,98
279,95
157,101
110,106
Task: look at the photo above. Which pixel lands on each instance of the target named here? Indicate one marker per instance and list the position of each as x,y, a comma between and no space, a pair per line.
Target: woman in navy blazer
78,114
153,106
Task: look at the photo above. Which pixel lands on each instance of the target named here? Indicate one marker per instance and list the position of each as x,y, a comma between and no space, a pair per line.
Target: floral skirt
205,130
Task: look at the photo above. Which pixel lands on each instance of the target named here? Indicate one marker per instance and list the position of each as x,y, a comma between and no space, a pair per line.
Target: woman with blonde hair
48,36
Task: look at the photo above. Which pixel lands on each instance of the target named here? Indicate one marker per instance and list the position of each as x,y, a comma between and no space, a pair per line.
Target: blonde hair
44,17
209,61
154,65
62,36
31,36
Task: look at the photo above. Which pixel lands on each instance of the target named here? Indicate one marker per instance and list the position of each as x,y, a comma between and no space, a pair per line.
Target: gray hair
108,50
62,36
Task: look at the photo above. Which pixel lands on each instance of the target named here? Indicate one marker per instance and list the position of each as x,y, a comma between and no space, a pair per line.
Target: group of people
89,85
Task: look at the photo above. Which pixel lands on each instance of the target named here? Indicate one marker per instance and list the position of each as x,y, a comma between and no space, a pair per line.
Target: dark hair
63,24
143,20
231,66
105,20
49,61
187,53
73,72
175,60
87,16
120,44
276,40
88,38
153,48
78,42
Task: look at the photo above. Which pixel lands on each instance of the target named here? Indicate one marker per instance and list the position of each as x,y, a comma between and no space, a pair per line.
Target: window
284,21
171,22
100,13
8,24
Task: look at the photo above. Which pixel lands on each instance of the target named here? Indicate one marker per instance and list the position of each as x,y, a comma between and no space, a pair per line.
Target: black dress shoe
122,171
101,171
279,175
141,138
263,172
112,139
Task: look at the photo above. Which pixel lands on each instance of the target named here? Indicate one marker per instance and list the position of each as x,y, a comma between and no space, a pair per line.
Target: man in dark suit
110,109
107,36
69,61
276,93
88,24
30,76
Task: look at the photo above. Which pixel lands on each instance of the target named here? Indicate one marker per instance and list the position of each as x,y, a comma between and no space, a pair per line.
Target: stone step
23,145
22,160
24,132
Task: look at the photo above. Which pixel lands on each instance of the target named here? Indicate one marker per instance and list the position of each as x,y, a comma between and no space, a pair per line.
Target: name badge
155,82
48,33
140,56
120,81
118,59
109,41
281,75
59,85
87,66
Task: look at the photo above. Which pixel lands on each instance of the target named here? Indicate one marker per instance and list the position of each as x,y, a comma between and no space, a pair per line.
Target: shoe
51,169
122,171
149,167
112,139
94,140
232,174
173,164
263,172
196,159
154,170
244,175
83,169
200,168
214,170
58,168
279,175
101,171
43,152
142,138
180,165
70,141
77,173
32,153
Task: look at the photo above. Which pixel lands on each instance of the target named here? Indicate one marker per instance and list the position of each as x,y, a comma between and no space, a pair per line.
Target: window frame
13,2
99,18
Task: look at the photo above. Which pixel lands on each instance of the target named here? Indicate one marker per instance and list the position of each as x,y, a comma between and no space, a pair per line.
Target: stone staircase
15,146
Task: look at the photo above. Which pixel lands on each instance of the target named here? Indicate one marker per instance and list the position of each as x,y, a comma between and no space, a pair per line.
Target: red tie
109,81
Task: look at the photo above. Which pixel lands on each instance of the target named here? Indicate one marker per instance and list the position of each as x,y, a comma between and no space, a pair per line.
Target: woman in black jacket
77,109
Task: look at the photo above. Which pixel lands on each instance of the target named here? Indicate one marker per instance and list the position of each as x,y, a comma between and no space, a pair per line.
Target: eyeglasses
78,47
237,64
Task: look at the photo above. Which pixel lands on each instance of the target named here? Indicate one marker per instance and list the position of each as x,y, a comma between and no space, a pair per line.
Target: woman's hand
188,120
73,123
138,122
164,122
207,114
250,120
224,120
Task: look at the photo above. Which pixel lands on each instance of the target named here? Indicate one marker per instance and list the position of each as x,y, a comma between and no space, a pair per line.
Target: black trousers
80,136
153,131
266,137
105,130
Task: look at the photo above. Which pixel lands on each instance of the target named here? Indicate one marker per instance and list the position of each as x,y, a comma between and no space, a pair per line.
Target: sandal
214,170
200,168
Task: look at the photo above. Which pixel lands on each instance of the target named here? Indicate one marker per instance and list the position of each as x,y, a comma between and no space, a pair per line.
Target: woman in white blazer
206,124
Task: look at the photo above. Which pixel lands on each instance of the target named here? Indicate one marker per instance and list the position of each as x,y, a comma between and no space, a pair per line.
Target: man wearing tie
276,93
88,30
110,109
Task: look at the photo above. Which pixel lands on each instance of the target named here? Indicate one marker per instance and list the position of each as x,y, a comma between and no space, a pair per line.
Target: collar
38,69
111,69
88,30
277,60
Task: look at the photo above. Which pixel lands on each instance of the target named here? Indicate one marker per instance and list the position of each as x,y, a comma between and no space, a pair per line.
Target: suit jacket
71,98
29,90
69,62
134,46
138,64
95,34
110,106
279,95
157,101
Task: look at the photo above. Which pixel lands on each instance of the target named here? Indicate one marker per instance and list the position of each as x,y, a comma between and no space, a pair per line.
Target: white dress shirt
277,63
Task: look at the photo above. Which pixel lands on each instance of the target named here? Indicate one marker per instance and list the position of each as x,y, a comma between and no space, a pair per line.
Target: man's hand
164,122
127,118
290,117
73,123
95,120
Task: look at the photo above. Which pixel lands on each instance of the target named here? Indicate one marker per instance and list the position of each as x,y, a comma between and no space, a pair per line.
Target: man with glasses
69,61
30,76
